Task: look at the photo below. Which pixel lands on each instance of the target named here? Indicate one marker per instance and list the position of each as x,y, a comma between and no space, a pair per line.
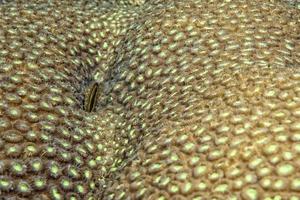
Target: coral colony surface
149,99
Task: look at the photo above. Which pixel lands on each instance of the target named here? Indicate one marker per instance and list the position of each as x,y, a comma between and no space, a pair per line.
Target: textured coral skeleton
197,99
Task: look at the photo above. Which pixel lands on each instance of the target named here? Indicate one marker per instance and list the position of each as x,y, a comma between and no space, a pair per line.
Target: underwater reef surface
295,3
149,99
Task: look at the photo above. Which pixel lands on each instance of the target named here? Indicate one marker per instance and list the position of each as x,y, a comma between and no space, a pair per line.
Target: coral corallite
149,99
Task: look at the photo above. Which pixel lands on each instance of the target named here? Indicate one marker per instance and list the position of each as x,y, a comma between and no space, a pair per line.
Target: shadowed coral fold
196,99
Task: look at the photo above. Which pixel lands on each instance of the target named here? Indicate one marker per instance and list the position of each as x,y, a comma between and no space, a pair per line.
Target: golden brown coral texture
198,99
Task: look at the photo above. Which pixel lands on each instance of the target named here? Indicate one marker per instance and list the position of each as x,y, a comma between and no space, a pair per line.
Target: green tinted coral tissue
149,99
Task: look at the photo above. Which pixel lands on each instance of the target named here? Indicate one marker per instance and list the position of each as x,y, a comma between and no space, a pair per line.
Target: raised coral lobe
195,99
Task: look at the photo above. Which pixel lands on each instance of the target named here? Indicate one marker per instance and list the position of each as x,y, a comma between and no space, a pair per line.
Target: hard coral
190,99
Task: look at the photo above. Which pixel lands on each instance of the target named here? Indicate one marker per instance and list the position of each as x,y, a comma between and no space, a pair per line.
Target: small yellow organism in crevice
91,95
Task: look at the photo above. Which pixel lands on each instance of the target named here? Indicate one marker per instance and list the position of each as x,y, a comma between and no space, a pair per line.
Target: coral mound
149,99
